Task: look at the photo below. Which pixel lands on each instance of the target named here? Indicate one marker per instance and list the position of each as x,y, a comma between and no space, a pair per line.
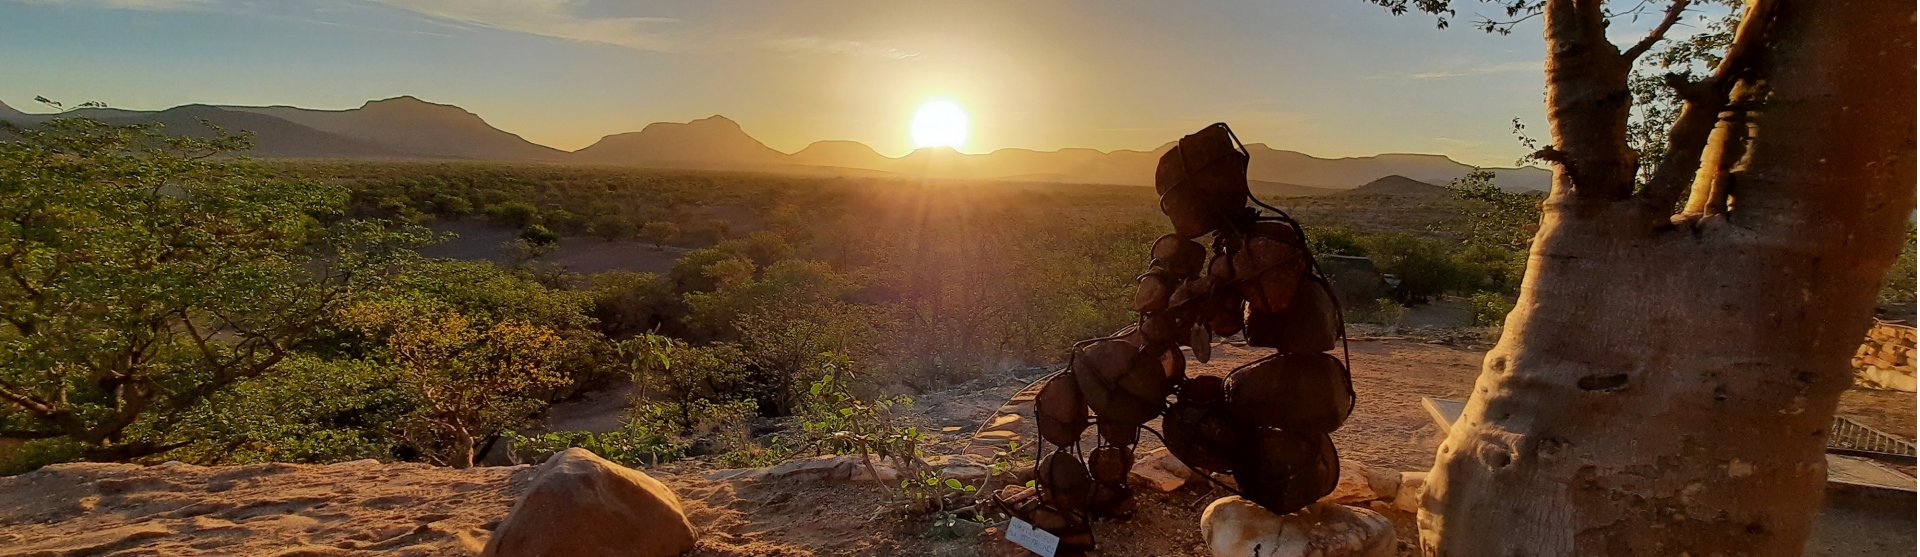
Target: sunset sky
1325,77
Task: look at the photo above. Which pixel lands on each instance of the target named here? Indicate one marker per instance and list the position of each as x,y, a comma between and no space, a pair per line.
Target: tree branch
1659,31
28,434
1588,102
1703,101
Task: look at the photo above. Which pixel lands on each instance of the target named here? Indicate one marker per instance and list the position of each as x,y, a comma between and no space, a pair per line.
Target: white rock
1160,470
1411,486
1236,527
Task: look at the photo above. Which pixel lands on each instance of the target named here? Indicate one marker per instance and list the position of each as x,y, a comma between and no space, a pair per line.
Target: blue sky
1325,77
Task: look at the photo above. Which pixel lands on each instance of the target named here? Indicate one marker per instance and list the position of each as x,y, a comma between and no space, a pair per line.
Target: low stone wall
1885,360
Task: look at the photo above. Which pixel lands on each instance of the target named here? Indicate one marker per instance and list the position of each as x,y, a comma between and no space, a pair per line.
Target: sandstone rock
1411,485
1236,527
969,469
582,505
880,472
1160,470
1385,483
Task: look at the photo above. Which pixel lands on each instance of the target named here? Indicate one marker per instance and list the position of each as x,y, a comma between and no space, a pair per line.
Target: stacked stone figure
1267,423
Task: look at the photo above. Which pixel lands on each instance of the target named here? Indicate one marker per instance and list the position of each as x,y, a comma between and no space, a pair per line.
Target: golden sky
1325,77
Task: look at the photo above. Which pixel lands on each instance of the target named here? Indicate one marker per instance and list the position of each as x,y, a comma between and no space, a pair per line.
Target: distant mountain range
410,128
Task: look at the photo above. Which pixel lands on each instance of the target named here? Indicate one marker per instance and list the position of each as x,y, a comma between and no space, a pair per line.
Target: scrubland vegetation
165,304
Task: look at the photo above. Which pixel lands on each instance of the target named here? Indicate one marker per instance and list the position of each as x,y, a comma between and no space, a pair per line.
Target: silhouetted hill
842,154
713,141
8,114
272,137
412,125
1276,189
407,127
1399,186
1284,169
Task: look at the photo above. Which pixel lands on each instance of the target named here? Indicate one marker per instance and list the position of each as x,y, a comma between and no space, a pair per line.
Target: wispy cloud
559,19
837,46
1482,69
143,5
574,20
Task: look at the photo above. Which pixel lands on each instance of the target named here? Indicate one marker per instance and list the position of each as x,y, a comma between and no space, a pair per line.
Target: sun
939,123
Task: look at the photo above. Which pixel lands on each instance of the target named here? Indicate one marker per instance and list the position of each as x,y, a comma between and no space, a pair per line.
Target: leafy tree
516,214
684,377
659,233
1425,266
1497,217
762,248
450,205
539,235
610,227
469,379
1333,240
788,343
794,282
142,277
1712,294
312,409
627,303
702,270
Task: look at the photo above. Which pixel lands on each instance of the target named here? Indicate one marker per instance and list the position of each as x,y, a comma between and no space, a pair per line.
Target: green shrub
610,227
539,235
1425,266
630,446
659,233
1490,308
834,420
627,303
132,306
514,214
1331,240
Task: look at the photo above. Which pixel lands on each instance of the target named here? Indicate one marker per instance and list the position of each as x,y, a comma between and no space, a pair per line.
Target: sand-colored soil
356,508
365,508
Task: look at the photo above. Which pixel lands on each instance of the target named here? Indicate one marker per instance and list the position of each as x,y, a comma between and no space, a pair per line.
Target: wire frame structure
1267,423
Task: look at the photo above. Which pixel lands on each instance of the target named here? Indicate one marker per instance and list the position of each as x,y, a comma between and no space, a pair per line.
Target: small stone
881,472
966,468
1236,527
1411,486
1160,470
1385,483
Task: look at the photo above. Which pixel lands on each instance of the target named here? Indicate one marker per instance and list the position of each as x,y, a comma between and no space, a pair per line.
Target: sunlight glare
939,123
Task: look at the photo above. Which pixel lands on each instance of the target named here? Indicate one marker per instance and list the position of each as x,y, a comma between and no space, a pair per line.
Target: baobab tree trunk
1665,384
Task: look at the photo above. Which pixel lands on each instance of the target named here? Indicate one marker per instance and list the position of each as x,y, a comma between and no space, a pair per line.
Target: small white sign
1039,541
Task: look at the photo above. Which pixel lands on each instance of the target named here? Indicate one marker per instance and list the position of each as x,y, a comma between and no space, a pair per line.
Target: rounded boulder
581,505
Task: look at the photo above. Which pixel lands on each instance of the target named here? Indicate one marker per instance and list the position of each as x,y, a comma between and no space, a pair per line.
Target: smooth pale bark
1666,389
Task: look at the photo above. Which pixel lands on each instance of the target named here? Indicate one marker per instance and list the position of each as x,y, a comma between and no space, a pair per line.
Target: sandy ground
365,508
358,508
